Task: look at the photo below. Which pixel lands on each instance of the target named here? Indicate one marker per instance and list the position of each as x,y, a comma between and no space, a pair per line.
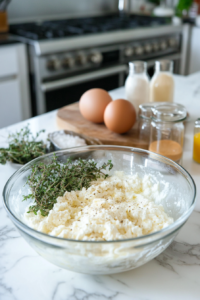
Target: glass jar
144,123
167,130
162,82
196,144
137,84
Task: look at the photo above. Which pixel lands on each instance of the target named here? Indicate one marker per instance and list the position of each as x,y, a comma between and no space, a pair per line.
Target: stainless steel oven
61,78
69,56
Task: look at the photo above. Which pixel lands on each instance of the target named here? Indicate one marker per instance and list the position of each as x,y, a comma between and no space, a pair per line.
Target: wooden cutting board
70,118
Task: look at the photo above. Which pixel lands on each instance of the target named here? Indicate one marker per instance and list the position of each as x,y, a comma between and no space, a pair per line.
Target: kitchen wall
32,10
145,6
26,10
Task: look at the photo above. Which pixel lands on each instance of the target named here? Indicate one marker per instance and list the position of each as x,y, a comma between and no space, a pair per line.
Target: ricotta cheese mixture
119,207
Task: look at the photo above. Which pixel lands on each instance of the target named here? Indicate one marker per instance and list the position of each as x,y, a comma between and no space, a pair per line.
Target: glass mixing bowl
107,257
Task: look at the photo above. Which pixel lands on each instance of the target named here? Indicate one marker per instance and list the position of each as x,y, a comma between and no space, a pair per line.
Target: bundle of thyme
23,147
49,181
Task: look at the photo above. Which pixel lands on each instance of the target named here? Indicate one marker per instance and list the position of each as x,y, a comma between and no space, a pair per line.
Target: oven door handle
53,85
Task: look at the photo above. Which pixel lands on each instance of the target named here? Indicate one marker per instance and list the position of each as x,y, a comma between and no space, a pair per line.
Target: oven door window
63,96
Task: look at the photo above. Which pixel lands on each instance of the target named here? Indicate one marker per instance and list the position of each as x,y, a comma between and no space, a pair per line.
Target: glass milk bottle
162,82
137,84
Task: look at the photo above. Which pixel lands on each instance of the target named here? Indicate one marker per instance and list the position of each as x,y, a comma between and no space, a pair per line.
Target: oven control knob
148,48
128,51
53,64
163,45
155,46
96,57
139,50
81,58
68,62
173,42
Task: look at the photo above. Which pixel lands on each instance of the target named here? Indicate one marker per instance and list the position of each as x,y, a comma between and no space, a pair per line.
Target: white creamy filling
119,207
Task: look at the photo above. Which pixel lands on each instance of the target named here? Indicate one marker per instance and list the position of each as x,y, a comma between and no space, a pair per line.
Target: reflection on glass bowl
107,257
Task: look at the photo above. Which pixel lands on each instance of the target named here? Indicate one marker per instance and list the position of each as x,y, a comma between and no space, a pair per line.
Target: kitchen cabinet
14,87
10,105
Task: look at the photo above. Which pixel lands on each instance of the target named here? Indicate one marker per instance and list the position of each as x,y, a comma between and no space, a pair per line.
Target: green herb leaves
23,147
50,181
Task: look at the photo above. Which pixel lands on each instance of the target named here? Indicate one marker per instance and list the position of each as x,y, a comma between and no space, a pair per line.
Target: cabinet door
10,108
8,61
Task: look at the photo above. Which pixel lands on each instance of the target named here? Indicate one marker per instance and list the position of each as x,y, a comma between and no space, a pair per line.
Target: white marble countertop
175,274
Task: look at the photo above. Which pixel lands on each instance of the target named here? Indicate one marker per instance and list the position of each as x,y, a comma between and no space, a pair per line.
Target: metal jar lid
169,112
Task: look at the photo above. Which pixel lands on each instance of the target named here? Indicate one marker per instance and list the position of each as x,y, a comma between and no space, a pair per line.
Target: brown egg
120,116
93,103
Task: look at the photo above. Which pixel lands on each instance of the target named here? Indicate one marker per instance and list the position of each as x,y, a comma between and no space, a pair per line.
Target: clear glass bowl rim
165,231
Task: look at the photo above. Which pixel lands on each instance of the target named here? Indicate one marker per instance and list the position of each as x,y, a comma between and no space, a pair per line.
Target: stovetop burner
82,26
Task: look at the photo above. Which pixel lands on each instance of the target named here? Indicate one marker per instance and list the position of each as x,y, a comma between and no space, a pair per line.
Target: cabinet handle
7,78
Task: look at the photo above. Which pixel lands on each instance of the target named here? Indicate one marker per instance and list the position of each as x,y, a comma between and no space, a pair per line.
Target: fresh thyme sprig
23,147
49,181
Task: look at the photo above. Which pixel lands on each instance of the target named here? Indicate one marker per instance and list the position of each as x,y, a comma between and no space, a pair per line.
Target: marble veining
175,274
180,254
